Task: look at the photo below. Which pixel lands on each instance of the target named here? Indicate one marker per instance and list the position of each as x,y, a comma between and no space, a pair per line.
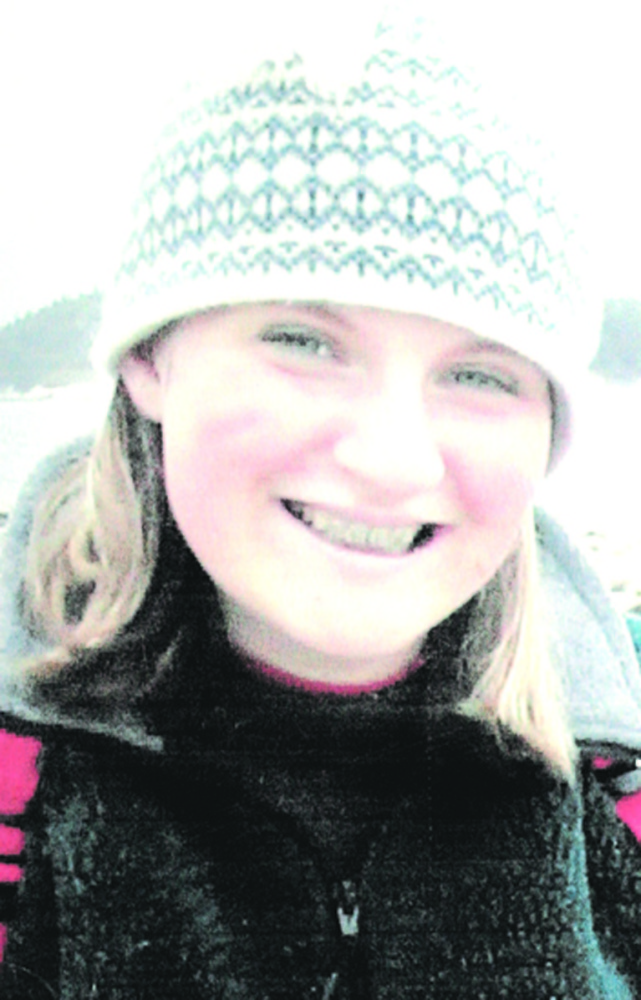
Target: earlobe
143,383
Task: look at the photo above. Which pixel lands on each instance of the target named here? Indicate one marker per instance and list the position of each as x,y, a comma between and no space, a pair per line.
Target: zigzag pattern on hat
258,181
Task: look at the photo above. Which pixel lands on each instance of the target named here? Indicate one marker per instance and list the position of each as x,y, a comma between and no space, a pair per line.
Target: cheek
260,428
217,464
493,487
495,496
498,469
493,500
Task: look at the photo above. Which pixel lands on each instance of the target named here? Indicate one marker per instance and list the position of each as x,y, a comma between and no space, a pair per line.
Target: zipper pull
348,910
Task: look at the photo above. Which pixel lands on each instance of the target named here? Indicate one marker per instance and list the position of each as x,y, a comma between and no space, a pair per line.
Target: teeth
354,534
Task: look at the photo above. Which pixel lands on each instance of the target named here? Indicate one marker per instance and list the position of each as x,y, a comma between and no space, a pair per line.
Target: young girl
310,726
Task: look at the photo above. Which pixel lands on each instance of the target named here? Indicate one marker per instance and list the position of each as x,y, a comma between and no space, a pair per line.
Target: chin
356,648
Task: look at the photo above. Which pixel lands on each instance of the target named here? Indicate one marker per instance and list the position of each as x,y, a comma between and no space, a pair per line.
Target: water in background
596,491
598,484
35,424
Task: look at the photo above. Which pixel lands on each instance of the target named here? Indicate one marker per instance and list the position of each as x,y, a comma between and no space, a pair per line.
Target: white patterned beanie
395,191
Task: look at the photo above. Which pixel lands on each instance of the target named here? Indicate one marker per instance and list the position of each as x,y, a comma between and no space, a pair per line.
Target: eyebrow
323,310
482,345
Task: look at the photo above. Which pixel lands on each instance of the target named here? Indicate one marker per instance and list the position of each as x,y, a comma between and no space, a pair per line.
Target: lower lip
366,555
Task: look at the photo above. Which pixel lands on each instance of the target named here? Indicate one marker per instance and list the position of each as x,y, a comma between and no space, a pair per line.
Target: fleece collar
590,644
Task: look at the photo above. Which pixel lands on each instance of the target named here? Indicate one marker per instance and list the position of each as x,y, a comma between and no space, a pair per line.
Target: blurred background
83,85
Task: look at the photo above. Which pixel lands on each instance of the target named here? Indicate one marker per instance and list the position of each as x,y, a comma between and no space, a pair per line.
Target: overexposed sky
82,84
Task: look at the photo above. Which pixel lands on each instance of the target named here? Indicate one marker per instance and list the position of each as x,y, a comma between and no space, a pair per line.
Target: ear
144,384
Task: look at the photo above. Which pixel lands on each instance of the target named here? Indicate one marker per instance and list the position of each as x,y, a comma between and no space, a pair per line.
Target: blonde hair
95,536
94,548
509,659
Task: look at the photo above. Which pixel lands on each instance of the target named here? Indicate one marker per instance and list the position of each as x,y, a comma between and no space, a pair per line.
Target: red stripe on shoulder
18,783
10,872
629,811
11,839
18,771
628,807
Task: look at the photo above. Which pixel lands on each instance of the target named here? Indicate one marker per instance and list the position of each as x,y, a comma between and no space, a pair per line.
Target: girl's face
348,477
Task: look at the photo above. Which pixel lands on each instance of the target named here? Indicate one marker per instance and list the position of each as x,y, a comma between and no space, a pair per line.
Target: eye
300,340
485,379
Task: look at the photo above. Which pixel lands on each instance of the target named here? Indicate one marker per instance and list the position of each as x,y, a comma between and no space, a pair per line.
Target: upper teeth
355,534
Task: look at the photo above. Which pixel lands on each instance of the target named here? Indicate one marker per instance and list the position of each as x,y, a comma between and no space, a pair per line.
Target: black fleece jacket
287,845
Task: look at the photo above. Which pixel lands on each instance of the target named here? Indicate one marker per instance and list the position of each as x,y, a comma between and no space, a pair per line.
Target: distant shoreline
35,394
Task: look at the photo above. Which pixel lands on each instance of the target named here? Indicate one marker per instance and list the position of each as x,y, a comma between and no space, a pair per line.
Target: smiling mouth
359,536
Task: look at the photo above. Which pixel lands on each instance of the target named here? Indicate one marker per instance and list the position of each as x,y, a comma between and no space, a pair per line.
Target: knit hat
396,190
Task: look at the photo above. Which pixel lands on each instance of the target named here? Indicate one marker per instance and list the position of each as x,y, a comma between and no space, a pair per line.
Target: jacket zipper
347,909
350,978
351,972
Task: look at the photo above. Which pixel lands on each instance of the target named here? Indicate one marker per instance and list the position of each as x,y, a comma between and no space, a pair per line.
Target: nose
391,440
